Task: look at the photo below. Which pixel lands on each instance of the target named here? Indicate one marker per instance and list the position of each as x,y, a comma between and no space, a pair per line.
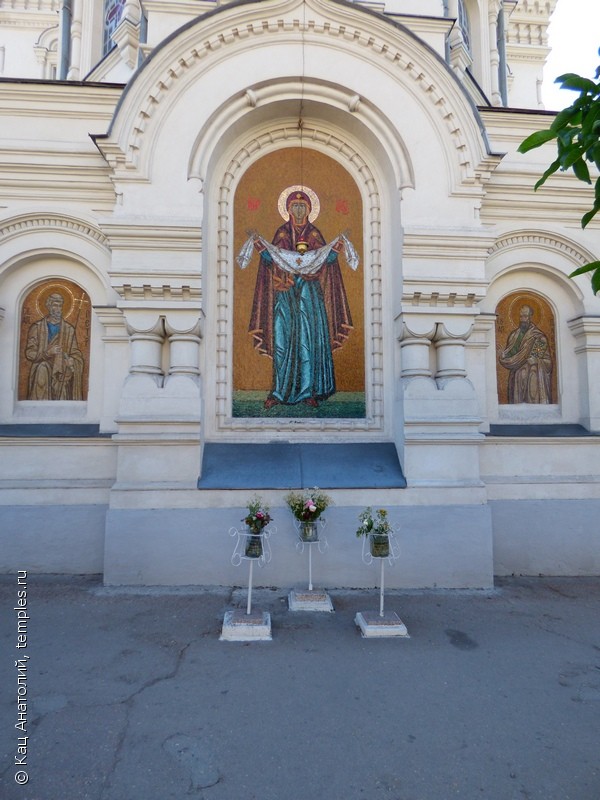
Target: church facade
254,246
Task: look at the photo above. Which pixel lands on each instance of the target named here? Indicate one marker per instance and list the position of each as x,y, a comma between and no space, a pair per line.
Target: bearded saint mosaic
300,314
55,337
526,347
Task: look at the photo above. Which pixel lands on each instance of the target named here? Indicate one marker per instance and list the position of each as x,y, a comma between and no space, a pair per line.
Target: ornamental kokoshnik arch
298,338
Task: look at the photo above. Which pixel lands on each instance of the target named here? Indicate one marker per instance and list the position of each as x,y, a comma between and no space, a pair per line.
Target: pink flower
312,507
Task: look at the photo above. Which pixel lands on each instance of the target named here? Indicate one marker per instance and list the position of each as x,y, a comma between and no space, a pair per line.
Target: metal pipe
66,16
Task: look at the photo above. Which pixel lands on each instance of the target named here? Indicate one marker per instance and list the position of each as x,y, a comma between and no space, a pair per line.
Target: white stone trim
393,49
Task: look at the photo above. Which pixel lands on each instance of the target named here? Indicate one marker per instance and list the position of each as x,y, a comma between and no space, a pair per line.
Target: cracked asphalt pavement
130,695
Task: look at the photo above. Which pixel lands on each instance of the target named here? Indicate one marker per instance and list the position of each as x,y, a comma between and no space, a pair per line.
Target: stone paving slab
130,694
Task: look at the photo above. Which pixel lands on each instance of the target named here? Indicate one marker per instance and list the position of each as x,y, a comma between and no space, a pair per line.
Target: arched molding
553,242
39,264
34,237
321,101
523,249
34,223
240,159
540,292
235,30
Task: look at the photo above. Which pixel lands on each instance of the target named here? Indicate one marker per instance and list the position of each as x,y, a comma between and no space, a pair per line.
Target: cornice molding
165,293
153,236
50,99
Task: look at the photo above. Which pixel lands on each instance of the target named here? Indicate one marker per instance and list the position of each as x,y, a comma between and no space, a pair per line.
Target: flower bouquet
256,519
307,506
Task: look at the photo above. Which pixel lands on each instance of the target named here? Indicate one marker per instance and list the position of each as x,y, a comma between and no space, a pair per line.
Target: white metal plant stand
249,626
385,623
310,599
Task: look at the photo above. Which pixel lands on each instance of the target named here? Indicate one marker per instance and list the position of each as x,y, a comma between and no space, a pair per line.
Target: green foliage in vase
376,523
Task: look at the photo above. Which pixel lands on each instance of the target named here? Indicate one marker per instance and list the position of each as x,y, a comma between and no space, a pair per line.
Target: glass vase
379,544
309,531
254,547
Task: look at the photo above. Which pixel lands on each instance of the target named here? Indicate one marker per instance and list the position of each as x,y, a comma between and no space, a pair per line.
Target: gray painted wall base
440,546
66,540
546,537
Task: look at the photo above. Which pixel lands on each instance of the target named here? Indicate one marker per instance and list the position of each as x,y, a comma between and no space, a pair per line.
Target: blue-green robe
299,320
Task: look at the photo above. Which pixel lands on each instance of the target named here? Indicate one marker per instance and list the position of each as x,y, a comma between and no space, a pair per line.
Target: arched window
113,9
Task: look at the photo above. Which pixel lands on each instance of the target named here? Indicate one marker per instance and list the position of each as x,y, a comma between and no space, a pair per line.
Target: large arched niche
325,139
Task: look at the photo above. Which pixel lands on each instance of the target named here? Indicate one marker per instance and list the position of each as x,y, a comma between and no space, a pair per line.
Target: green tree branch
577,133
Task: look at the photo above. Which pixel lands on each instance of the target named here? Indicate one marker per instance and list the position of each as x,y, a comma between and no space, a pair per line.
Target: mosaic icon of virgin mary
300,312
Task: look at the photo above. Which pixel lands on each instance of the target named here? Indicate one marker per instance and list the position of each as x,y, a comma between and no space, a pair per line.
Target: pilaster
440,404
586,331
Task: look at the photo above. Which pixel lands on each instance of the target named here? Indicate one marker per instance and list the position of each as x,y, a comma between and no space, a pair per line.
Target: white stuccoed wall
154,229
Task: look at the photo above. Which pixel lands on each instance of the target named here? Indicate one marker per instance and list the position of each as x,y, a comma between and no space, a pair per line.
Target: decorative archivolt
30,223
392,47
326,102
527,239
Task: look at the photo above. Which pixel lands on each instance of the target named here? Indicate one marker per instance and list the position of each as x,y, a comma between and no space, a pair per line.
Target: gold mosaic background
256,209
507,319
76,310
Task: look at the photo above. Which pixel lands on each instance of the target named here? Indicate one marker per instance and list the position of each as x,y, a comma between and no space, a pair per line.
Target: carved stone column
493,11
184,348
74,72
146,345
415,343
450,341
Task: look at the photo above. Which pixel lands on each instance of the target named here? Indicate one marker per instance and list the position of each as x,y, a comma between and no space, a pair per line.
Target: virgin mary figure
300,312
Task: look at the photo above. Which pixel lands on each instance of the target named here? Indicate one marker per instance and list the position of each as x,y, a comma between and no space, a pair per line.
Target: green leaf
596,281
551,169
572,155
536,140
593,153
580,168
564,117
590,215
591,119
585,268
572,81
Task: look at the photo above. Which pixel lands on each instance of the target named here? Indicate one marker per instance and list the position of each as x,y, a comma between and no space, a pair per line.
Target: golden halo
54,288
314,201
514,310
